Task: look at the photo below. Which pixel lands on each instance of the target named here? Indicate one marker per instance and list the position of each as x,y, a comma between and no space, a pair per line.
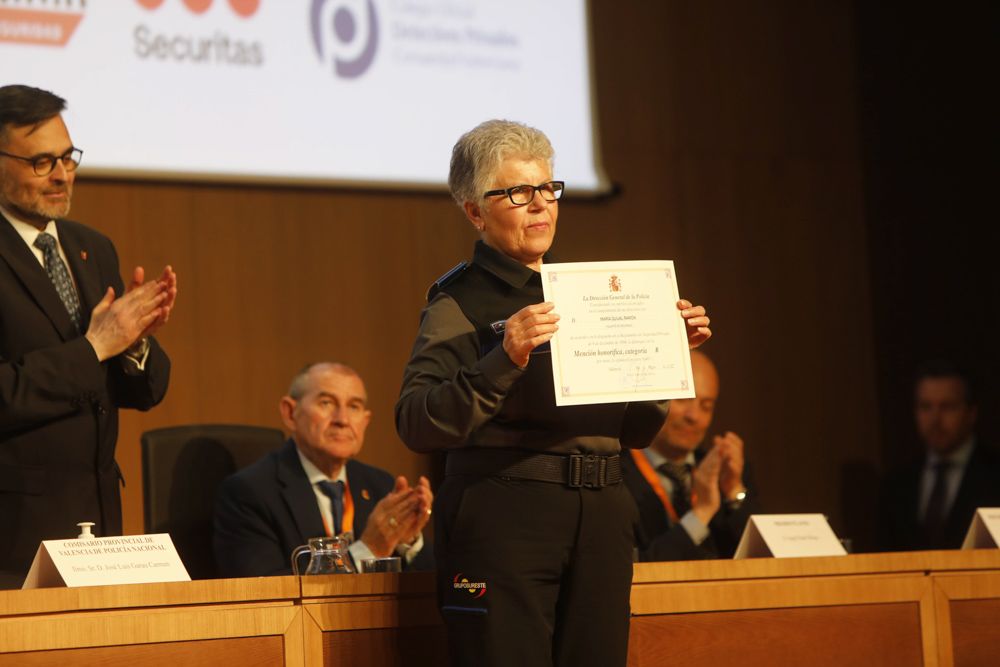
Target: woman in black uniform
534,531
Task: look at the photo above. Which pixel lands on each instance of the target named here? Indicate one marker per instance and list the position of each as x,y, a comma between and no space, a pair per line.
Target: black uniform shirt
460,389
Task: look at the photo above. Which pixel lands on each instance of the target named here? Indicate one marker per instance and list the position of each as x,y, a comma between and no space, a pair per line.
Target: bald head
706,376
689,418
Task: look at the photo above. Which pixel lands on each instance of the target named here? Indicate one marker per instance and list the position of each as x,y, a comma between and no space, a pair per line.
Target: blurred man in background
928,503
693,497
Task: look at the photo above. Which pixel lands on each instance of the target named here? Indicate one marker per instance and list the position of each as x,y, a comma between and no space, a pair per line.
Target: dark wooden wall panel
874,635
388,647
930,188
974,631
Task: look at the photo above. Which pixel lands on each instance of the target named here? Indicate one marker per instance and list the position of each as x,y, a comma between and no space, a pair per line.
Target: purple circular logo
346,32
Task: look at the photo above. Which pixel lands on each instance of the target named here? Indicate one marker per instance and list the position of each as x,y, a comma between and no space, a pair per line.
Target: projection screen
354,92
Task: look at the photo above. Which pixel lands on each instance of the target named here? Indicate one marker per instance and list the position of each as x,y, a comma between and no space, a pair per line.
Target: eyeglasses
523,194
45,164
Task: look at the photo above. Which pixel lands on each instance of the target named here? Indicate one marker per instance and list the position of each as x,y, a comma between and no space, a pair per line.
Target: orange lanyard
347,522
644,466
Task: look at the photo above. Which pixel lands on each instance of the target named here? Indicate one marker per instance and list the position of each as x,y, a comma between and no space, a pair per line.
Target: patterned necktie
335,491
680,475
937,512
59,275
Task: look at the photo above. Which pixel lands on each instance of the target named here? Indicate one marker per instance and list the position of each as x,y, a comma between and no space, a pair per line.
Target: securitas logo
184,39
345,32
476,589
42,22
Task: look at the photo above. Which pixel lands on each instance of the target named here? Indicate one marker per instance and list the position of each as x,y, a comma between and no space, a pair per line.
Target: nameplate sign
984,531
101,561
788,536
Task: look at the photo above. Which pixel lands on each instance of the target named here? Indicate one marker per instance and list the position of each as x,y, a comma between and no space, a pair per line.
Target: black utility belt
574,470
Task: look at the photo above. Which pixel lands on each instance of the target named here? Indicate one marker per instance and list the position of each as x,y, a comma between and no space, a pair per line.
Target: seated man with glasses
74,344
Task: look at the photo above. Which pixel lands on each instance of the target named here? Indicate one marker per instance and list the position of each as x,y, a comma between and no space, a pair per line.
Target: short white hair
300,386
478,154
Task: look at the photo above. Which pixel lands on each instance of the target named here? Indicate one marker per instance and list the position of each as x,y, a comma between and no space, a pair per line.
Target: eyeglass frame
34,161
534,189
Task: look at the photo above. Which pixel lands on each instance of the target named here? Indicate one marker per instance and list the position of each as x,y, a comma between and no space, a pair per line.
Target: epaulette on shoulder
446,279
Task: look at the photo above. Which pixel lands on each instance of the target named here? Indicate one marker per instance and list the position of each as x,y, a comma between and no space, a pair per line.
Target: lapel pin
365,494
83,255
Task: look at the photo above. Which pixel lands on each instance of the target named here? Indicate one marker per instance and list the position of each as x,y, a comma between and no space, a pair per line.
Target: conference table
934,608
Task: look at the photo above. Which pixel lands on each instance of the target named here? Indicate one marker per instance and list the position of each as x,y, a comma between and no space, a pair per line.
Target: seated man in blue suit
312,487
692,495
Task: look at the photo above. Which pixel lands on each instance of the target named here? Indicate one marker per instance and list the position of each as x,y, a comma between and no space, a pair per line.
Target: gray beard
35,217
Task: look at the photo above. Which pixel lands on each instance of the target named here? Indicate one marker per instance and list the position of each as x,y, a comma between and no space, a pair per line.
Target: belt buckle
588,471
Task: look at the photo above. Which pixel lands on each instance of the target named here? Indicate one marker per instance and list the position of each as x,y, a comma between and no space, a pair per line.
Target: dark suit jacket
899,525
658,539
58,404
267,509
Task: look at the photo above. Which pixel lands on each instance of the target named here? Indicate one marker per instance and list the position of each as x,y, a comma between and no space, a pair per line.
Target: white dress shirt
29,233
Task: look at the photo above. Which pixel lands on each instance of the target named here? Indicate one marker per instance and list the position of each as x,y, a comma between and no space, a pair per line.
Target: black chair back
182,466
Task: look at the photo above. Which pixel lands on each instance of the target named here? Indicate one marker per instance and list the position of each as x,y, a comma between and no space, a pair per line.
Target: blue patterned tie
59,275
336,492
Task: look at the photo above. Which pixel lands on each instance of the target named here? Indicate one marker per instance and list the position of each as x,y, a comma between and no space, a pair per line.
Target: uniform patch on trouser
466,595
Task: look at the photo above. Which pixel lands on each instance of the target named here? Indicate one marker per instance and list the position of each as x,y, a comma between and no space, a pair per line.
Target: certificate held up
621,337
